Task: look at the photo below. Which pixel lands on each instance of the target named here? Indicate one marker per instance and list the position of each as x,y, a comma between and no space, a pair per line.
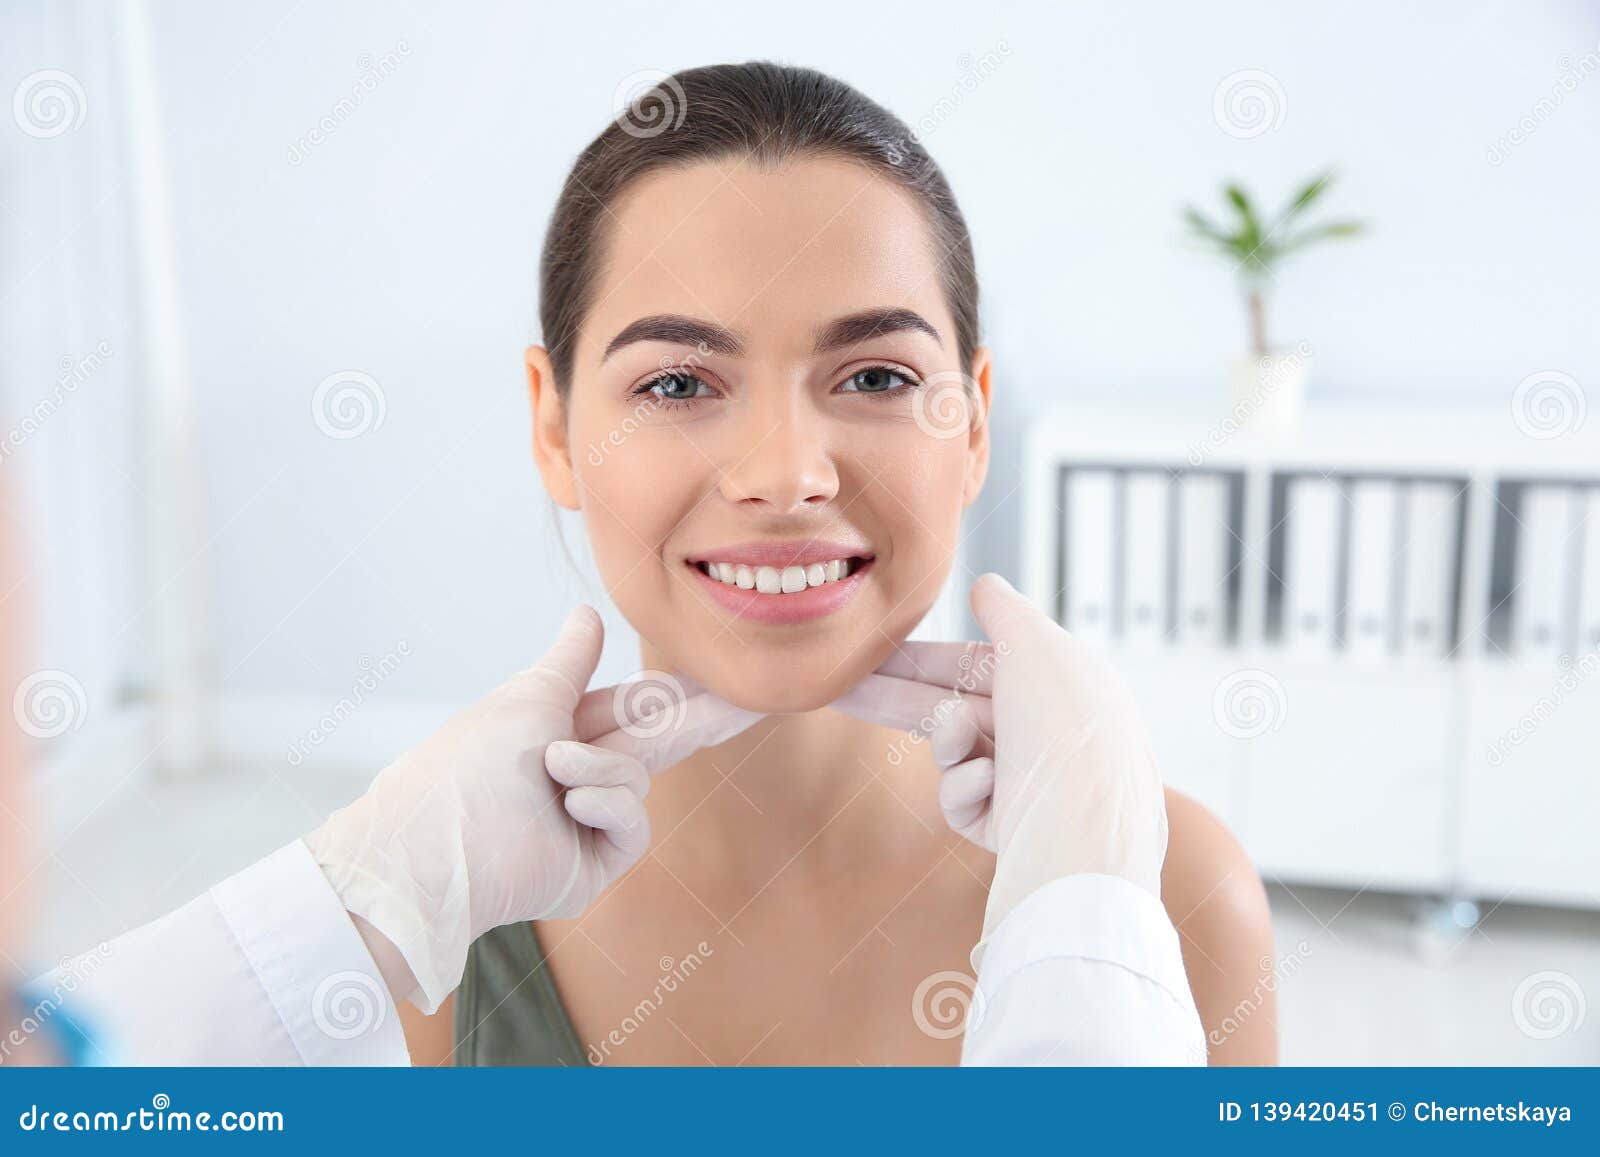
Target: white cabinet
1394,680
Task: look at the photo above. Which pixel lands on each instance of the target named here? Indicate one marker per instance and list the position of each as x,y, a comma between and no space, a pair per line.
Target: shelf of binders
1373,648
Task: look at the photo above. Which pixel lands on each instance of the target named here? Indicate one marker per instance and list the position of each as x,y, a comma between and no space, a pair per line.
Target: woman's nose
779,460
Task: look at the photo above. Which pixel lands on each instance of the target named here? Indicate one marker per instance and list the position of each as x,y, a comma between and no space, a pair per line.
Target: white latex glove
524,806
1044,760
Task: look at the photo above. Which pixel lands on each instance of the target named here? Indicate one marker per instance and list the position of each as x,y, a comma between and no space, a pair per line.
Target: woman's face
768,391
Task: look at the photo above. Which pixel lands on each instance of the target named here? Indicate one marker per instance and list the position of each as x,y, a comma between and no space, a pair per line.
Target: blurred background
1327,484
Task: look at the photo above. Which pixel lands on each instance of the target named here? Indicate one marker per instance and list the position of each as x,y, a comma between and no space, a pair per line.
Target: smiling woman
767,317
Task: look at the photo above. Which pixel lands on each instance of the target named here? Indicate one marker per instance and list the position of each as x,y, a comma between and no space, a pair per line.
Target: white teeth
770,580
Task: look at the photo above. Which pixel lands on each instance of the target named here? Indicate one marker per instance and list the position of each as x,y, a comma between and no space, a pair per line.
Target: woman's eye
676,387
875,380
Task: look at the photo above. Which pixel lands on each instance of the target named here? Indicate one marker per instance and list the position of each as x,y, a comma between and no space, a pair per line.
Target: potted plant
1268,387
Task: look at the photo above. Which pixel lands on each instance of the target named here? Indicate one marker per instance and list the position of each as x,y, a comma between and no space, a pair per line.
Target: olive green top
507,1010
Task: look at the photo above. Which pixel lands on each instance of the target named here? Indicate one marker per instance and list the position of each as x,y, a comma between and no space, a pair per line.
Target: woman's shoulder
1216,901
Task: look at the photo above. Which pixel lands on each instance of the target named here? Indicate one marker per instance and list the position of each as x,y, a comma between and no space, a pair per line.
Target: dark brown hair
763,111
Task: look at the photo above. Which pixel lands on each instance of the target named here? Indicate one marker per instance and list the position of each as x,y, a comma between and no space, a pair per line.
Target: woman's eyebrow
852,329
680,330
856,328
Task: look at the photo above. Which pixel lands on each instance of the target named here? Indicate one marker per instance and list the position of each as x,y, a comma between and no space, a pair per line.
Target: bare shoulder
429,1039
1216,901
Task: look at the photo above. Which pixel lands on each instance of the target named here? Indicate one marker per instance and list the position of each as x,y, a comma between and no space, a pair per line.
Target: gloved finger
672,735
965,791
969,666
1006,615
618,817
583,765
964,729
907,705
566,668
631,704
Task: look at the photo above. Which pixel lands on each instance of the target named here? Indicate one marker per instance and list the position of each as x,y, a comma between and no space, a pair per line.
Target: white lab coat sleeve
1085,970
266,968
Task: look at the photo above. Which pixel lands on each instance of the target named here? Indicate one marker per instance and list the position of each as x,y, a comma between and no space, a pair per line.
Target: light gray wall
404,245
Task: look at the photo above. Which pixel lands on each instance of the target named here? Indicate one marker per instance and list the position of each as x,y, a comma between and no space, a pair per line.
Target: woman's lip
800,607
782,554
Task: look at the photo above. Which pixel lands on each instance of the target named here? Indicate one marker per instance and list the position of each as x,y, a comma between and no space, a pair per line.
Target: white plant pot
1267,394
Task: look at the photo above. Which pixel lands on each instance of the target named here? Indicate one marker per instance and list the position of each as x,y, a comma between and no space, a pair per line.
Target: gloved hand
1044,760
472,828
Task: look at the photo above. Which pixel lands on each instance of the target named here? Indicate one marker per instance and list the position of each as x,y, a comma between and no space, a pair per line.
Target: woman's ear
978,439
550,448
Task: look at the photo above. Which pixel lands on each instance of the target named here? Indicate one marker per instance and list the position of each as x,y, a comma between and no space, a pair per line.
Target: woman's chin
789,694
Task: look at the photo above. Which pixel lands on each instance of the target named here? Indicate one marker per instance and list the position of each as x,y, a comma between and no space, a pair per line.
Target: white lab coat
267,969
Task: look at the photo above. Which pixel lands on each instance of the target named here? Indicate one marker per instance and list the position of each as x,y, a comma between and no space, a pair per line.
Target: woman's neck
819,791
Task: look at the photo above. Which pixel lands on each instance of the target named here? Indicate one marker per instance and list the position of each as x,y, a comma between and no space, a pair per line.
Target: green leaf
1331,230
1250,231
1303,199
1202,225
